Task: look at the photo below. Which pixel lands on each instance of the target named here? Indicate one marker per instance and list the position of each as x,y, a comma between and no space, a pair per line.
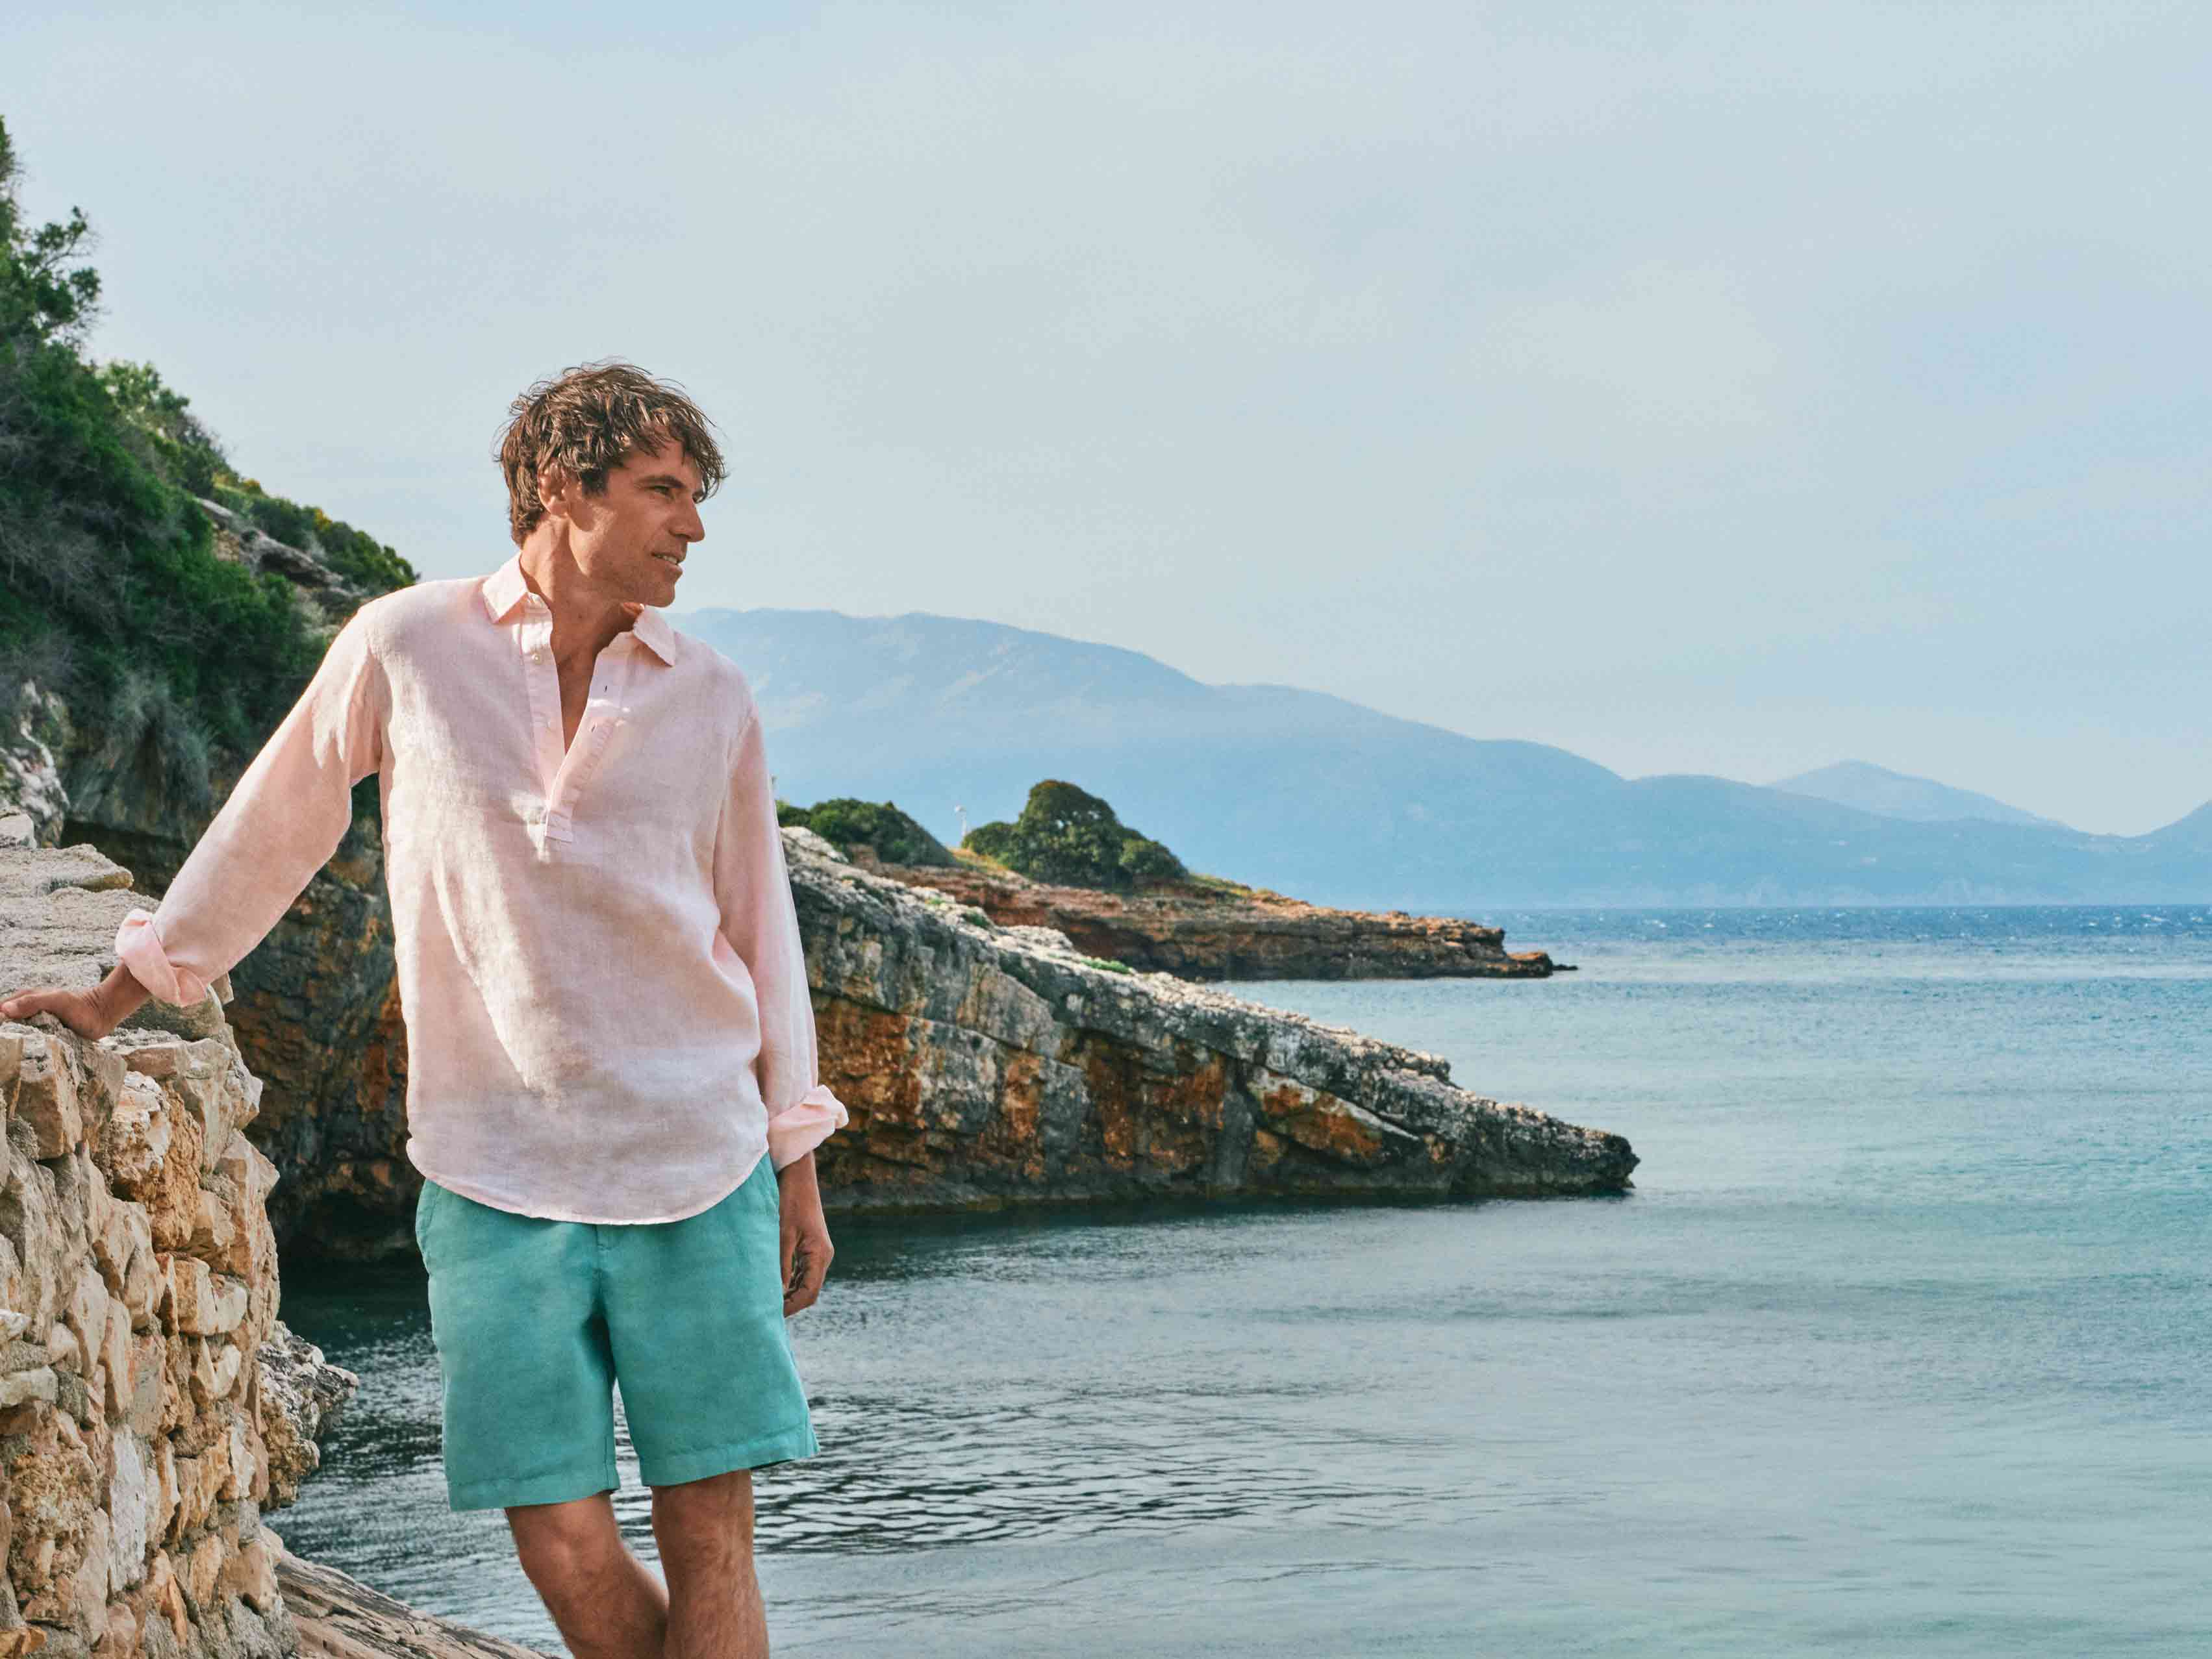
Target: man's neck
585,619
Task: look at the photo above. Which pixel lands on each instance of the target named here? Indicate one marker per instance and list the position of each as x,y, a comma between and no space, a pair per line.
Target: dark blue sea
1901,1346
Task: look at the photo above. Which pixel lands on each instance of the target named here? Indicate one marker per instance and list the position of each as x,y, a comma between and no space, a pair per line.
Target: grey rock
34,799
303,1396
992,1065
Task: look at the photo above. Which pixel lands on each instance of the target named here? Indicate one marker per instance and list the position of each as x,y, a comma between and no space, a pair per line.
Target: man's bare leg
705,1531
606,1602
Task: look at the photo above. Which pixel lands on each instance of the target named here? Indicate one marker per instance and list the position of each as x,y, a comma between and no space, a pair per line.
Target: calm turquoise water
1899,1347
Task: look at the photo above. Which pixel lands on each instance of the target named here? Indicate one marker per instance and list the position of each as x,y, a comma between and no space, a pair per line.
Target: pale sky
1727,389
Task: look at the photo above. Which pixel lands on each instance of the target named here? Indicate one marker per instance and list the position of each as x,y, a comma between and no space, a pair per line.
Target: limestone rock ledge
152,1407
986,1064
137,1282
338,1617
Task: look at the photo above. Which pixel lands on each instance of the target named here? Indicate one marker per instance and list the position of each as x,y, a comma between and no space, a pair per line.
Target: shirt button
537,655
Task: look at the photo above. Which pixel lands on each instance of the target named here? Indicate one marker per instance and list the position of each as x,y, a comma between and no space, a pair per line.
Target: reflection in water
1056,1465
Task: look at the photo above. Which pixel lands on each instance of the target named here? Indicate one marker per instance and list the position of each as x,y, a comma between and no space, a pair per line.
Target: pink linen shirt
598,959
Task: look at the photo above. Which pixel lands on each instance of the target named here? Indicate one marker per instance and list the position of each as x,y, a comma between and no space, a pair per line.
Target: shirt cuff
138,946
798,1129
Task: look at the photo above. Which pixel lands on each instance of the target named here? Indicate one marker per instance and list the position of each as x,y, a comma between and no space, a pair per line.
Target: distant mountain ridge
1890,794
1342,804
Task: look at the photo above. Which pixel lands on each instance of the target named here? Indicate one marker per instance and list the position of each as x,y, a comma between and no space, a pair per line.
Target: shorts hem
782,1446
556,1487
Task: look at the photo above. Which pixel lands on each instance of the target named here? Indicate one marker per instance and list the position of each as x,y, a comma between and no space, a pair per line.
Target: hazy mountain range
1890,794
1312,795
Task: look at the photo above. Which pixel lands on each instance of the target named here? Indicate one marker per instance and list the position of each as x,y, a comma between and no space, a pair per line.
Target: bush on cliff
846,823
193,457
1070,837
111,592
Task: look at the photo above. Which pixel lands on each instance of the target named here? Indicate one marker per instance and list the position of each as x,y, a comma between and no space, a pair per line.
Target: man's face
630,542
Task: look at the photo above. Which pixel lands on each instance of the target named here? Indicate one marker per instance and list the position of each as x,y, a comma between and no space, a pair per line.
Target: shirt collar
504,589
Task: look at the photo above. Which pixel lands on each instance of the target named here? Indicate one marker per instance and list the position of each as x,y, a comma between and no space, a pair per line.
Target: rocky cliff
985,1064
1213,931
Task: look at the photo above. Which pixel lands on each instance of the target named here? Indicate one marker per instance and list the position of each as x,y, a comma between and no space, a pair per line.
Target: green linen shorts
537,1322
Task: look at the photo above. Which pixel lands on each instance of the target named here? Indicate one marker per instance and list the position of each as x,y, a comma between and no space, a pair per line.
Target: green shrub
846,823
1144,860
186,450
353,554
1072,838
994,841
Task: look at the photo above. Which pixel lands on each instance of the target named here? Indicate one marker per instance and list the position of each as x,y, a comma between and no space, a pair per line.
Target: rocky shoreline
154,1409
988,1064
1217,930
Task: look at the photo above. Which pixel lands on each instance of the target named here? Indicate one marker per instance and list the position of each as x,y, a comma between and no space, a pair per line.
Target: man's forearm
120,994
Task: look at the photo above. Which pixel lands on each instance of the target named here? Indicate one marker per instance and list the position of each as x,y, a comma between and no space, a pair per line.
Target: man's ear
554,484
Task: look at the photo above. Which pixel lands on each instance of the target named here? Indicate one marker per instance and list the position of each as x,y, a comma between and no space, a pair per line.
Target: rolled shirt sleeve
284,818
752,889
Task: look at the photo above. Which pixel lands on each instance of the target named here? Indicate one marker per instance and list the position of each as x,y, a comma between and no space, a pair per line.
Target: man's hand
807,1249
91,1014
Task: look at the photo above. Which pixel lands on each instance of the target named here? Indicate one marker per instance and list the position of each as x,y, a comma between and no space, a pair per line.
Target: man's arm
285,817
752,889
91,1014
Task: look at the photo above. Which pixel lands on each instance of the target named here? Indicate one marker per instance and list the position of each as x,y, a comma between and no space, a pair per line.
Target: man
613,1093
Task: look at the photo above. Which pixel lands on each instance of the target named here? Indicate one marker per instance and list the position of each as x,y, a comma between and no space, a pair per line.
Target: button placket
534,641
583,756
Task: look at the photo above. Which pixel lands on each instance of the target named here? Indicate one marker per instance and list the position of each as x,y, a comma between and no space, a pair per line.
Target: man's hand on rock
91,1014
807,1249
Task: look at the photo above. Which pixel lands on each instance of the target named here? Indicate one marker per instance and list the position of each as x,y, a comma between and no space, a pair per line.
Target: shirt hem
469,1190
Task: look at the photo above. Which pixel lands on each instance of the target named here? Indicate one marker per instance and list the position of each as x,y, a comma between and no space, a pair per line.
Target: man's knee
566,1542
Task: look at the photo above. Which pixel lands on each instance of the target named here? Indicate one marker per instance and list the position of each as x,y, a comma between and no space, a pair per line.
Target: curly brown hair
587,420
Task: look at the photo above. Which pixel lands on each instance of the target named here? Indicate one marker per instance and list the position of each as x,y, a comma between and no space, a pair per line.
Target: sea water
1899,1345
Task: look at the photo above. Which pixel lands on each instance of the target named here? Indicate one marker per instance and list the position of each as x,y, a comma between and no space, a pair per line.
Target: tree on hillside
45,293
1071,837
